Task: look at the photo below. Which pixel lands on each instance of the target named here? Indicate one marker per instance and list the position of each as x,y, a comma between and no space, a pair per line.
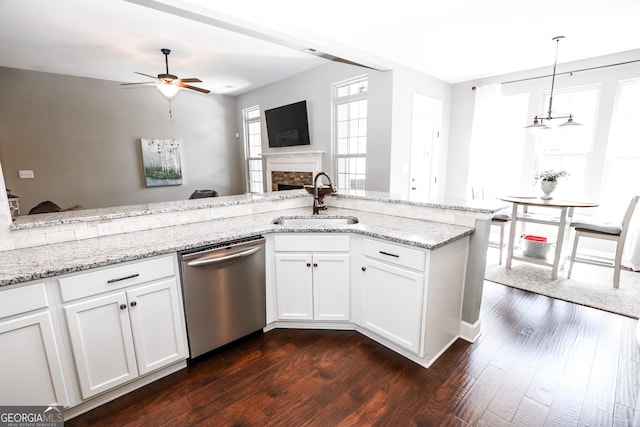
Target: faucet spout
318,198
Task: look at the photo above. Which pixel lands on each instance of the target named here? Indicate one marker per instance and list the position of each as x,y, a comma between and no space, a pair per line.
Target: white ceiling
453,40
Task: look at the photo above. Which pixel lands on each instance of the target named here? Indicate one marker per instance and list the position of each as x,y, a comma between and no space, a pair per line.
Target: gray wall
80,136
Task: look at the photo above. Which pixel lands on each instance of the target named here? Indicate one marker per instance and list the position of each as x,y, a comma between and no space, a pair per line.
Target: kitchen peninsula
444,244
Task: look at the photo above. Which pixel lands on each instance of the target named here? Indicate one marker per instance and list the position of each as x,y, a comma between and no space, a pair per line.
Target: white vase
547,188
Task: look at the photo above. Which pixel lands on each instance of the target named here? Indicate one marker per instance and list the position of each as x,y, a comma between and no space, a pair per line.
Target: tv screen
288,125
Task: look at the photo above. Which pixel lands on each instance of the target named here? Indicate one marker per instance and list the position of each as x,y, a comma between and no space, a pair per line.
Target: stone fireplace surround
290,179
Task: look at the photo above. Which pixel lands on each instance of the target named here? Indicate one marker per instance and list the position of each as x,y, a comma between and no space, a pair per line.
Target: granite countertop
22,265
87,215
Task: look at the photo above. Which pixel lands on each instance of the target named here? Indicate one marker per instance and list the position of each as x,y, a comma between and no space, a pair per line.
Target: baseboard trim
469,332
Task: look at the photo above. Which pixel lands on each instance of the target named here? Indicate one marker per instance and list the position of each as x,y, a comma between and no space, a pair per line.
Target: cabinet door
393,303
30,365
102,343
294,286
158,334
331,289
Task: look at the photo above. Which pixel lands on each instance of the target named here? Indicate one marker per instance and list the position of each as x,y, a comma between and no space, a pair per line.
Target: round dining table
559,215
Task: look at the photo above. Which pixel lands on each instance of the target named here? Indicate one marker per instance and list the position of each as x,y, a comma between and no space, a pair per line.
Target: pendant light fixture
539,120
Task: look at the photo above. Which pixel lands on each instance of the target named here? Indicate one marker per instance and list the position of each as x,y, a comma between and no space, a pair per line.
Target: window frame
248,120
340,99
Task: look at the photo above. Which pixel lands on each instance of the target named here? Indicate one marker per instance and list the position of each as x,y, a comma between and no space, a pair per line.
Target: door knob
123,306
133,303
364,268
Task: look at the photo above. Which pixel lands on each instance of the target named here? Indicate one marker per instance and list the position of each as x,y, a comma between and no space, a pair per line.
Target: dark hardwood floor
538,362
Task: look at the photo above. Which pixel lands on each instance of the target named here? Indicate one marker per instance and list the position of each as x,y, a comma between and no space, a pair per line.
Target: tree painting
161,161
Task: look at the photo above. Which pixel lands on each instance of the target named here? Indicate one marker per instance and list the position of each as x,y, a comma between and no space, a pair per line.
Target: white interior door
425,147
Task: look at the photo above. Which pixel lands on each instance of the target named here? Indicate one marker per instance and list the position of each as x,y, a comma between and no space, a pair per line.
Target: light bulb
168,90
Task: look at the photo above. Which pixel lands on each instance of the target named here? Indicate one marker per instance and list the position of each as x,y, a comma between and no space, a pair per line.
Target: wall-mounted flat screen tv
288,125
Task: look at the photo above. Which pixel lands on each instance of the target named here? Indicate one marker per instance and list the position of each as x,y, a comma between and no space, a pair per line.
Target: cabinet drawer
21,300
294,242
395,254
117,277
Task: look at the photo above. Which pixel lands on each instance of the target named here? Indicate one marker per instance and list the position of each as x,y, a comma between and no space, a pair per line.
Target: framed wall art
161,161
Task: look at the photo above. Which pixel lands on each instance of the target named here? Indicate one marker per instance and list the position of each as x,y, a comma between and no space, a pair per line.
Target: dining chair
604,231
500,219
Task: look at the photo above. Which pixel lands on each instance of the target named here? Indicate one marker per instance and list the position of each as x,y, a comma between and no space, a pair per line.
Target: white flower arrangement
551,175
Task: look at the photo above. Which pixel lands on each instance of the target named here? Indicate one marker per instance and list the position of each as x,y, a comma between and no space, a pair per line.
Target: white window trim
335,103
246,122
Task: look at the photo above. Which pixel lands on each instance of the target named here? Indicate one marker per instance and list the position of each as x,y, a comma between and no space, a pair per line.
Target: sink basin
316,220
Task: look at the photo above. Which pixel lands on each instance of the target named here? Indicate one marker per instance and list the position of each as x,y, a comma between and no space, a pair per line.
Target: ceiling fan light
168,90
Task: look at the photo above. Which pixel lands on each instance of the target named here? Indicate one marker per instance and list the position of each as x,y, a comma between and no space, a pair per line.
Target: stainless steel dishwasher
224,292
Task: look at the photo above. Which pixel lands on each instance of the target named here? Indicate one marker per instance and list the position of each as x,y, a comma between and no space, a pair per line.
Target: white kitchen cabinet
411,298
393,303
122,333
393,293
102,342
30,359
331,289
312,286
312,277
155,314
294,286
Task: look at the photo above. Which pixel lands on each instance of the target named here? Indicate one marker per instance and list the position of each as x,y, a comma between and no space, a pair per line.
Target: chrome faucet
318,199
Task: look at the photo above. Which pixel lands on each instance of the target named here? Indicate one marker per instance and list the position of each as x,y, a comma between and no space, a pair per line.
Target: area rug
589,285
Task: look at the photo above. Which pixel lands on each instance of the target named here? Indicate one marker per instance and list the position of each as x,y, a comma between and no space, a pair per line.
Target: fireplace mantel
292,161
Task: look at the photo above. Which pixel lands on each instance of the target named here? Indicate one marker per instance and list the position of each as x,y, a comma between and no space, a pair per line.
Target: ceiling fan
169,84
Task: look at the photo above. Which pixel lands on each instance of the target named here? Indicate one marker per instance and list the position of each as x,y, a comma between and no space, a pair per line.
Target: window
253,149
570,149
350,132
621,176
497,139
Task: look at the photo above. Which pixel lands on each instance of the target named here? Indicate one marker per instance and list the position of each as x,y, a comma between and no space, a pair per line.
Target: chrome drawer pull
122,278
388,254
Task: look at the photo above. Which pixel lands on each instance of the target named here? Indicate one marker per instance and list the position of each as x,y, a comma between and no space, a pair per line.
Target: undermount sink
316,220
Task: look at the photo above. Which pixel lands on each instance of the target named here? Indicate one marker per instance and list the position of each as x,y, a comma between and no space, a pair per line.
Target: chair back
627,218
477,193
201,194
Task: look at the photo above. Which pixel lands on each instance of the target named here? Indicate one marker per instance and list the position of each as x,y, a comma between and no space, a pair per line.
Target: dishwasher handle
215,259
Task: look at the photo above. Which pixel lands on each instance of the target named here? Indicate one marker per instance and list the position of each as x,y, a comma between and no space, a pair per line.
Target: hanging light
168,89
538,120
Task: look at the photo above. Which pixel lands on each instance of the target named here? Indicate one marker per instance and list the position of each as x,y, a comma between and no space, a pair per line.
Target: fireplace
292,169
289,180
282,187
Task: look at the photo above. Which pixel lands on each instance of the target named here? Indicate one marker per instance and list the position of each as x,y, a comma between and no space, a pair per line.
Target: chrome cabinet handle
123,278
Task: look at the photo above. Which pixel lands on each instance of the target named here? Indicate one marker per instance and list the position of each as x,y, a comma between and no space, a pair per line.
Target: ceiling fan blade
193,88
191,80
146,75
139,83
